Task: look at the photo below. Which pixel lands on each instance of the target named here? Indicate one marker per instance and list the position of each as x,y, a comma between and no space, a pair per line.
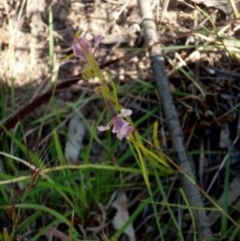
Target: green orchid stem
113,106
91,61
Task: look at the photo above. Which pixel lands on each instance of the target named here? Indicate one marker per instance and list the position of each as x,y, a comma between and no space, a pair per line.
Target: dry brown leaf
233,195
76,131
122,215
223,5
225,141
55,233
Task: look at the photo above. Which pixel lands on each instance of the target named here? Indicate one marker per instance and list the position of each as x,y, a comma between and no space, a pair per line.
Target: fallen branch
158,68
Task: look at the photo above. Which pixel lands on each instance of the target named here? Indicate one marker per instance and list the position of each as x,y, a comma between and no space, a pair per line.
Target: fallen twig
158,68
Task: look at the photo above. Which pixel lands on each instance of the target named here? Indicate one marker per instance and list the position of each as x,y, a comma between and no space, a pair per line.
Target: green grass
40,189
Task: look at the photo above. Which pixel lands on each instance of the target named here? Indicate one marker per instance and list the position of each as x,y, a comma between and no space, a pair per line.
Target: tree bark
158,68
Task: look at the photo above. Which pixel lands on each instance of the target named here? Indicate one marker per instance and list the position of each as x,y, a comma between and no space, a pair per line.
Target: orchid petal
121,127
97,40
77,48
103,128
125,112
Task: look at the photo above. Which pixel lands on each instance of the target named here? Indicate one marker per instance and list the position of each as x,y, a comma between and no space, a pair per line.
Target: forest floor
60,178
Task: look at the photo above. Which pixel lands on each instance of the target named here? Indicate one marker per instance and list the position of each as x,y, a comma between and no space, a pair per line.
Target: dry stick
158,68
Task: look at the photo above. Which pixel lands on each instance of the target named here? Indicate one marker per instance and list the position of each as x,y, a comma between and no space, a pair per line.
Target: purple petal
125,112
121,128
97,40
77,49
103,128
123,132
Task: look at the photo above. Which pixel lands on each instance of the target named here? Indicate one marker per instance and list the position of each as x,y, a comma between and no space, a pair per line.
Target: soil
29,68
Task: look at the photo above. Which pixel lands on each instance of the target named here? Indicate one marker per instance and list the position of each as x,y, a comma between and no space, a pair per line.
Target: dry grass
201,46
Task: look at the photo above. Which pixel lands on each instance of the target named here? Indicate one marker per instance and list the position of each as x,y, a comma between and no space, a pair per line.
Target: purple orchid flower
121,127
97,40
78,50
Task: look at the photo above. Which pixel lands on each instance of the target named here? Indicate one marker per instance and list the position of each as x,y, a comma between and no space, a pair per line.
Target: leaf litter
202,64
